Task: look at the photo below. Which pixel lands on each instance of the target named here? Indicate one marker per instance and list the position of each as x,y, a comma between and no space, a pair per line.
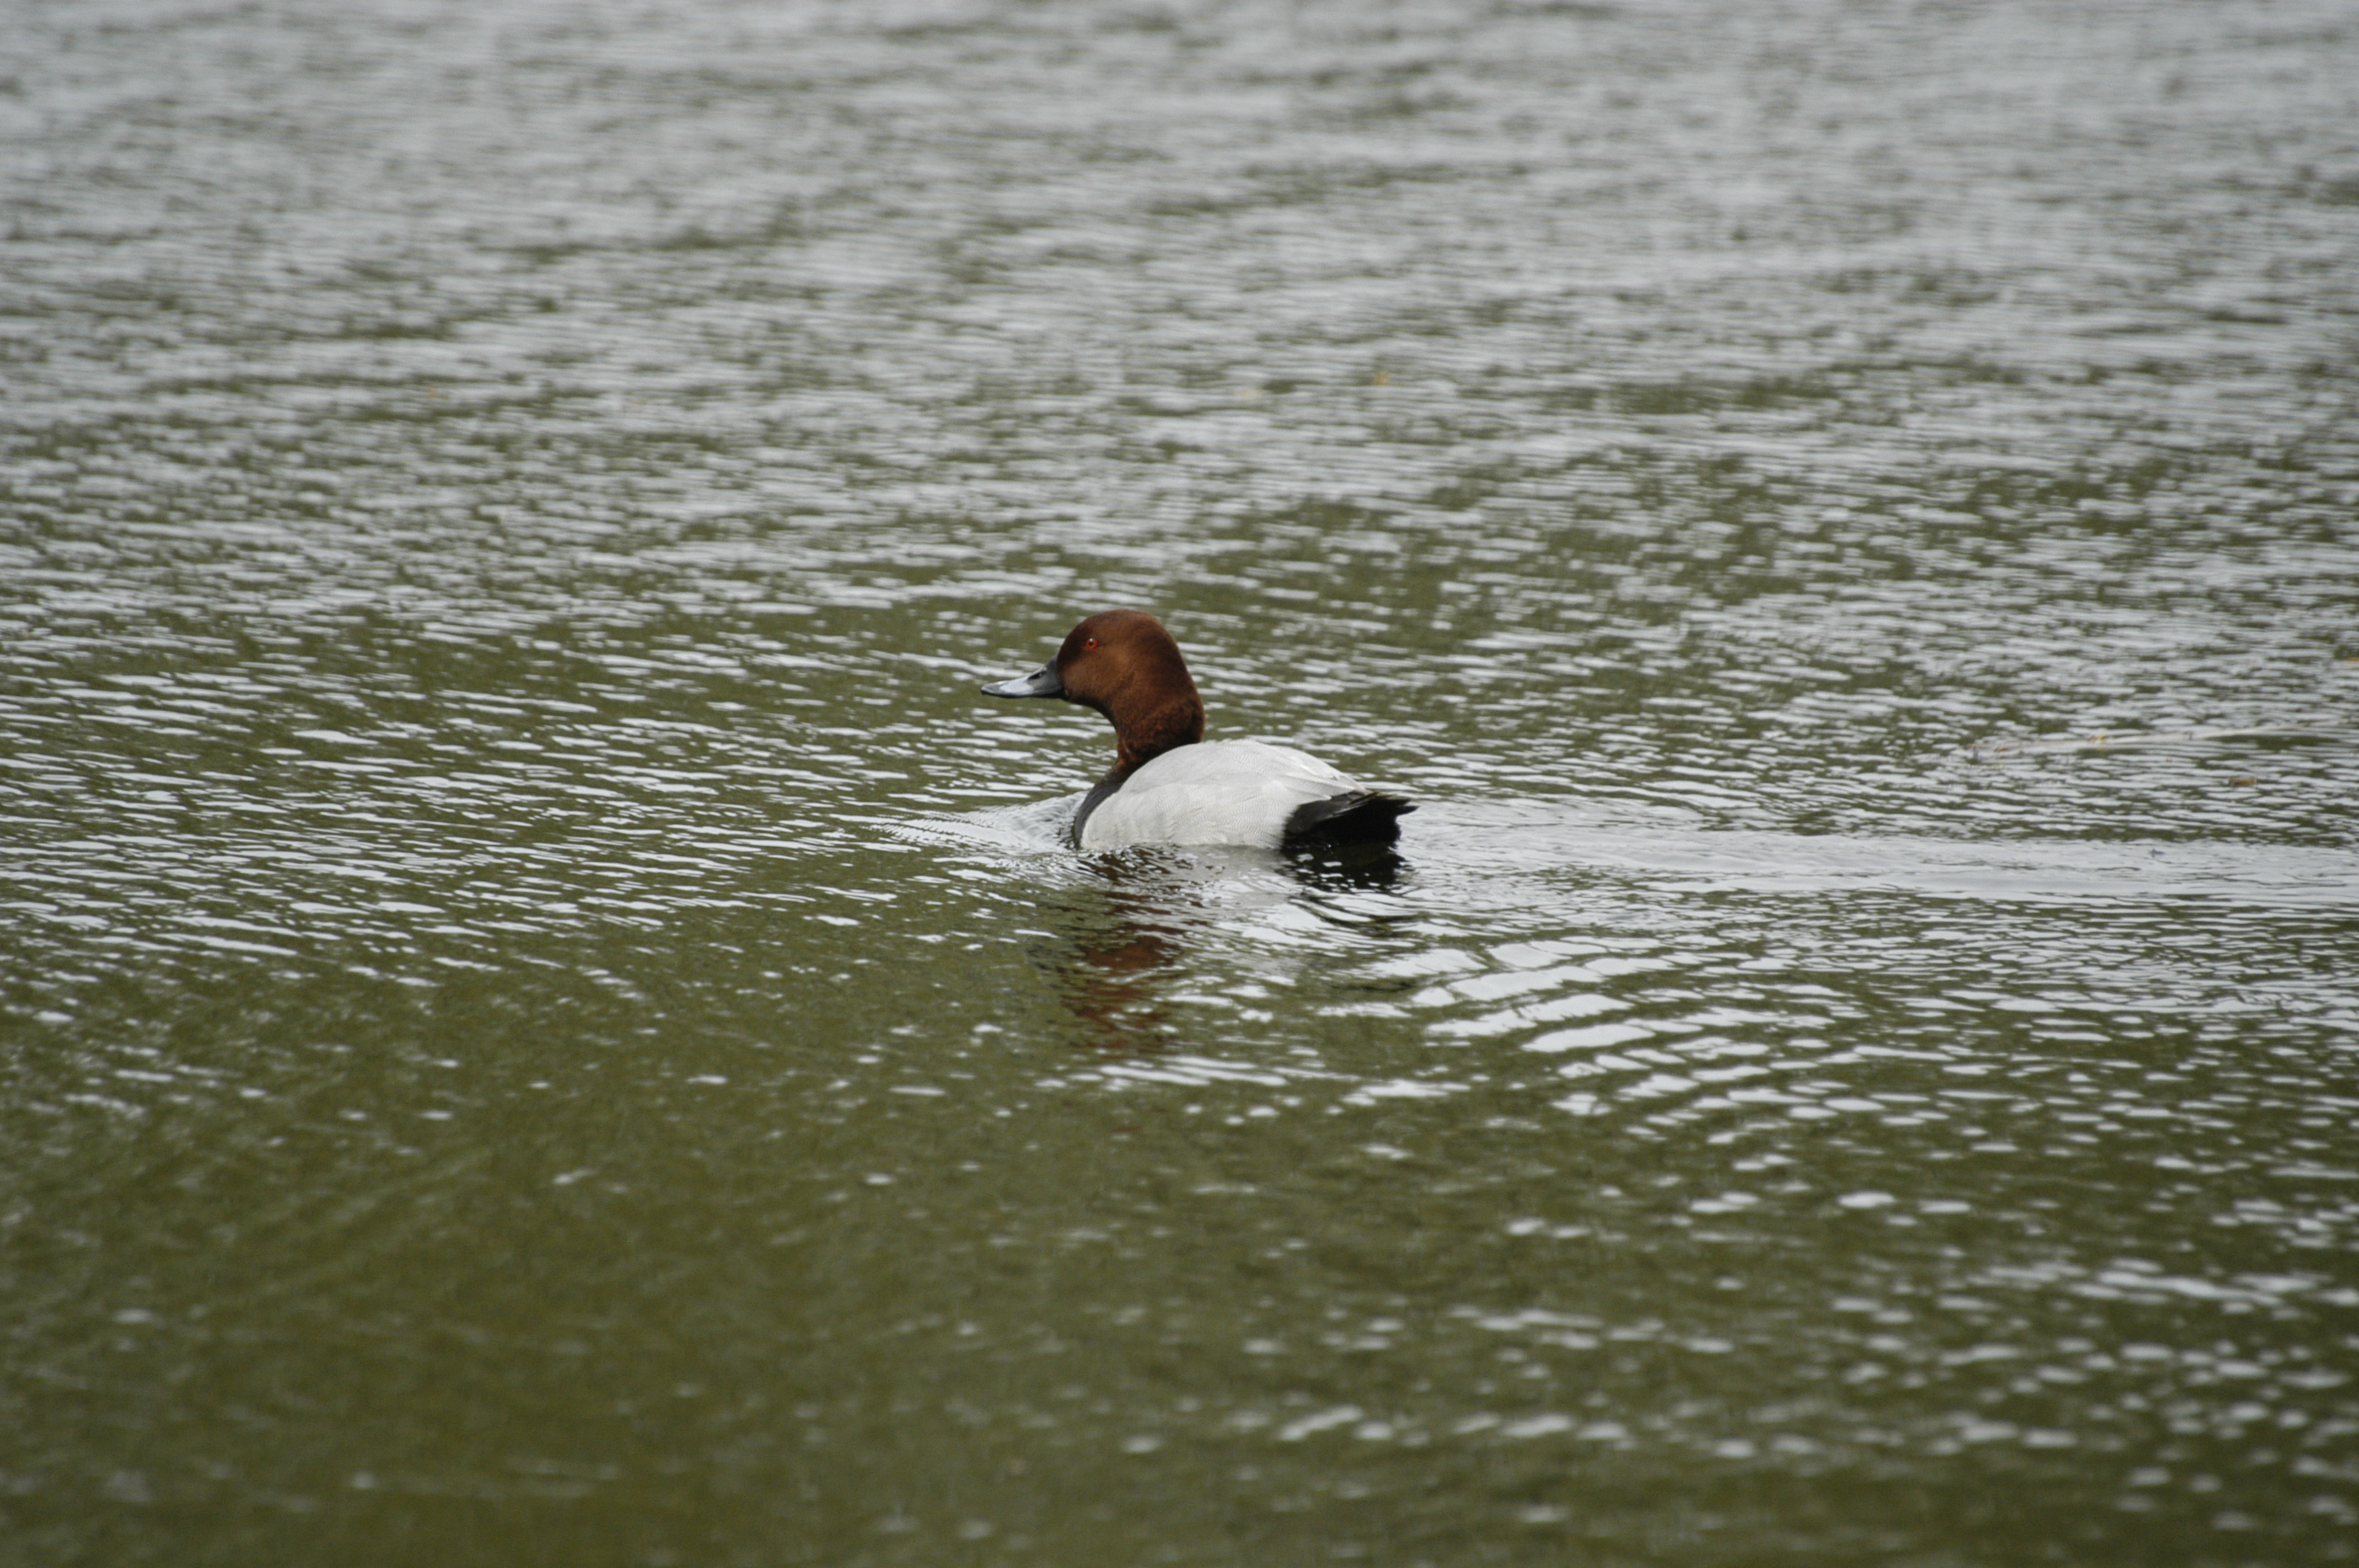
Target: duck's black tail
1361,816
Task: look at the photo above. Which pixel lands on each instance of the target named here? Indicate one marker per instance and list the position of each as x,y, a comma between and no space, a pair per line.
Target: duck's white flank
1216,792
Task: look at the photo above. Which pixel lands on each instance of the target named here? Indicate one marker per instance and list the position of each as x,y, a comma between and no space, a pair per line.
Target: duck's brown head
1124,665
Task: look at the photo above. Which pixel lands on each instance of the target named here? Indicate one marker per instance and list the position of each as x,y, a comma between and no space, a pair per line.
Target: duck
1170,785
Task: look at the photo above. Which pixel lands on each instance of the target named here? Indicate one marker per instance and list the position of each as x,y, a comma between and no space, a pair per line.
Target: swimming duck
1168,785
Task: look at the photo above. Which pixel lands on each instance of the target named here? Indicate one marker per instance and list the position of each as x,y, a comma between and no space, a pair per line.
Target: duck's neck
1143,735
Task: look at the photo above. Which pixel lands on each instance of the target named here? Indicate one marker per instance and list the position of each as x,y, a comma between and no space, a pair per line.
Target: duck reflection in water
1127,948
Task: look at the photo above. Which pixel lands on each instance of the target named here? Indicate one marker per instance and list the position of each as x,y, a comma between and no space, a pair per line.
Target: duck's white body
1215,791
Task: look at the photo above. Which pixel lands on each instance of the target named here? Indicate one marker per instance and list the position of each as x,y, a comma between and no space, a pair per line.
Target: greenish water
543,1019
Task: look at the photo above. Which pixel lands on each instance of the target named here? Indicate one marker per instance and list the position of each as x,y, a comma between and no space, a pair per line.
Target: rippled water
545,1021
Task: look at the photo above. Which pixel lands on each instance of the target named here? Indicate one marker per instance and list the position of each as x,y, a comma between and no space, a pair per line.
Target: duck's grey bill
1043,682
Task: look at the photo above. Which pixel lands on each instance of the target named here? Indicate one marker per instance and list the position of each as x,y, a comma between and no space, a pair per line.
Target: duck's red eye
1090,643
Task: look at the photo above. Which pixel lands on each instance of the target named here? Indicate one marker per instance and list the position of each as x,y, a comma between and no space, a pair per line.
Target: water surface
546,1021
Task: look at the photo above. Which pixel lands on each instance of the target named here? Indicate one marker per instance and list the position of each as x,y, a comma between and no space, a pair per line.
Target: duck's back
1217,792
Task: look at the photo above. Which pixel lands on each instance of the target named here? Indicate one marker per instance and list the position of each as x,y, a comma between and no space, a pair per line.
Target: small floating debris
2128,740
